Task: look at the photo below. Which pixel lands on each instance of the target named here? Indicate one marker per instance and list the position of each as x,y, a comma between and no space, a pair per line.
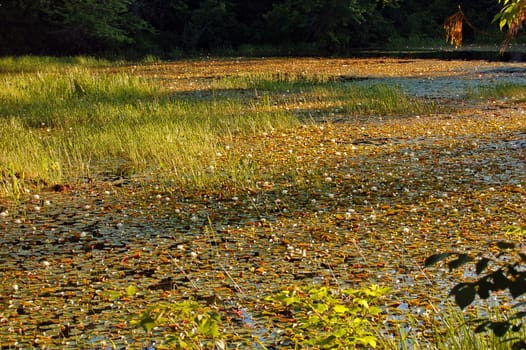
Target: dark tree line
165,27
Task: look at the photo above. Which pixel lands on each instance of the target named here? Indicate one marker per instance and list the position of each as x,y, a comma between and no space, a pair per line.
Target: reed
68,119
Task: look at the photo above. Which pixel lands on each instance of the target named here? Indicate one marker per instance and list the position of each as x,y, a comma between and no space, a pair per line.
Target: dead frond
453,28
515,25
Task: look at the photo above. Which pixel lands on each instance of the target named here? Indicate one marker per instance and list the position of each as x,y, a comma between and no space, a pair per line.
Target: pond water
67,258
370,212
456,86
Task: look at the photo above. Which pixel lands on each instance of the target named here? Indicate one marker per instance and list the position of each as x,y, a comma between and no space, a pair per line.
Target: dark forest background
170,28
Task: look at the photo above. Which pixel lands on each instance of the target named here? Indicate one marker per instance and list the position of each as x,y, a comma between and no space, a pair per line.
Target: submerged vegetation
259,203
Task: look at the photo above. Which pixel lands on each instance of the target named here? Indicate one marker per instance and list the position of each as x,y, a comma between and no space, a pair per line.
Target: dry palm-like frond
453,28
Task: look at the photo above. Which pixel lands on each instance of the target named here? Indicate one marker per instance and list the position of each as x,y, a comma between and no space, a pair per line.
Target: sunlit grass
326,94
19,64
272,82
79,124
453,329
67,120
512,91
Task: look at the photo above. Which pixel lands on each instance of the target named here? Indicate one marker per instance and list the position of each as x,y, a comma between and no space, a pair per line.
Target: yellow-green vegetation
81,121
452,329
33,64
511,91
76,124
496,273
333,95
455,330
326,319
313,317
195,326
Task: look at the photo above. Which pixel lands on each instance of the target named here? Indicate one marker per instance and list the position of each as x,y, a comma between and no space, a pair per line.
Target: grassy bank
508,91
68,120
32,64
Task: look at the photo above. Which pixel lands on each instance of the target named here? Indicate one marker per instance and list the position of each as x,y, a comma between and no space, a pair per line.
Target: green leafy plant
194,326
504,270
512,15
129,292
515,231
324,319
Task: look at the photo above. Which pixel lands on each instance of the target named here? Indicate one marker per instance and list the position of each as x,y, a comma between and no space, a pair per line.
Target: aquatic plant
503,268
317,317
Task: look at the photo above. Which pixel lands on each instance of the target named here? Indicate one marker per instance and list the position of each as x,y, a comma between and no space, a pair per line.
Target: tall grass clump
513,91
449,329
455,330
271,82
28,64
69,125
380,99
73,97
327,94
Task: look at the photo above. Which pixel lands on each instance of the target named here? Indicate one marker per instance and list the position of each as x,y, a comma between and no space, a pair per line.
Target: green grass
328,94
66,119
512,91
19,64
453,329
456,332
276,82
67,126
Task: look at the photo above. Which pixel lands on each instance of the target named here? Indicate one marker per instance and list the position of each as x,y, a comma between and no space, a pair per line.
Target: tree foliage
512,15
453,27
69,25
326,23
164,26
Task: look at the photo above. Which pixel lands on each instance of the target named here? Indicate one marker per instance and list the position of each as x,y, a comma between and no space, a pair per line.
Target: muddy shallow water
372,210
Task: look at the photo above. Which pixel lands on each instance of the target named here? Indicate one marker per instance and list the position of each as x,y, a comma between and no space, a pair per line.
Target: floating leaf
340,309
458,262
481,265
147,323
435,258
131,291
464,294
505,245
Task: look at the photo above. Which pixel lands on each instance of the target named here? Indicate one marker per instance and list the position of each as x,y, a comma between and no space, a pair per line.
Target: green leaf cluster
511,15
173,27
321,319
195,326
327,319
